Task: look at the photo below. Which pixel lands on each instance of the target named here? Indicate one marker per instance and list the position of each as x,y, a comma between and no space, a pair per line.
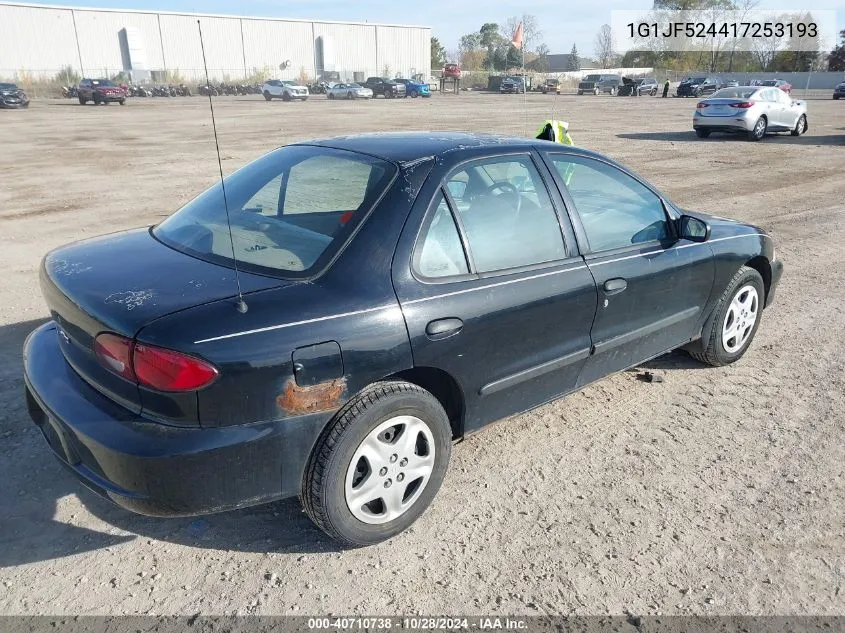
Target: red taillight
743,105
701,105
154,367
115,352
166,370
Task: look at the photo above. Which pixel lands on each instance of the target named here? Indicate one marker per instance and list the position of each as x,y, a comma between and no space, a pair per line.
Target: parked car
452,70
100,91
839,91
778,83
415,88
644,86
12,97
752,110
699,86
729,83
361,347
550,85
512,85
349,91
388,88
598,84
284,89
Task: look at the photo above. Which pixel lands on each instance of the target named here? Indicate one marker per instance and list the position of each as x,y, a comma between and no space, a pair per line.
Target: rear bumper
722,123
151,468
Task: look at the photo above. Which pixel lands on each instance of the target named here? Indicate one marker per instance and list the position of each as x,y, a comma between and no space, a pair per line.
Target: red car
778,83
100,91
452,70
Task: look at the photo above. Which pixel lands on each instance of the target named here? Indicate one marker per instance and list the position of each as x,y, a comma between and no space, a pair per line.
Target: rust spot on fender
297,400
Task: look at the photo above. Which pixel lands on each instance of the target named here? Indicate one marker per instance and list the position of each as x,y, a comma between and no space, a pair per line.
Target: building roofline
30,5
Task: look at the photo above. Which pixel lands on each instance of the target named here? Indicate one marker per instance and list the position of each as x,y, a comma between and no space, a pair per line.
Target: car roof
405,147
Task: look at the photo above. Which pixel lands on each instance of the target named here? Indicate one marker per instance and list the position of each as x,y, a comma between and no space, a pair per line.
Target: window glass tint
615,209
440,253
291,210
506,213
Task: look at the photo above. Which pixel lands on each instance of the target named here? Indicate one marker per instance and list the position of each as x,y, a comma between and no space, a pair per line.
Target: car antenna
241,304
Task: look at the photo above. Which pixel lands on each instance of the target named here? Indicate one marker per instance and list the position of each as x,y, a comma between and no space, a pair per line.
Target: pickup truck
387,88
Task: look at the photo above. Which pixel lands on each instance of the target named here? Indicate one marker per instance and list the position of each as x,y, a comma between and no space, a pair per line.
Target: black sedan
12,97
378,297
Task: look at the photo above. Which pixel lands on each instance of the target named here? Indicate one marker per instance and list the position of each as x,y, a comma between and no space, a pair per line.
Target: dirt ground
718,491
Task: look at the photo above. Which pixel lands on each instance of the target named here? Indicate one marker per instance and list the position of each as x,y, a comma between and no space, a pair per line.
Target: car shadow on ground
784,138
32,529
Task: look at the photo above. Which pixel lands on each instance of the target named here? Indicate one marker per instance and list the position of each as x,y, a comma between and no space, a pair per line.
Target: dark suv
100,91
699,86
637,87
387,88
598,84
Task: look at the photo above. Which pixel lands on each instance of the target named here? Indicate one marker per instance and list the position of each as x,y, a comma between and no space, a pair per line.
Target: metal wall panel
42,39
36,40
269,43
353,48
404,50
223,46
99,43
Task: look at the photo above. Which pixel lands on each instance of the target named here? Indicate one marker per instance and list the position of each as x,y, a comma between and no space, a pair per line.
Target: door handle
443,328
615,286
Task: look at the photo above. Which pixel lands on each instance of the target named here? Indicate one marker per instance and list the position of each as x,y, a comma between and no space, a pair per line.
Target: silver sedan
349,91
753,110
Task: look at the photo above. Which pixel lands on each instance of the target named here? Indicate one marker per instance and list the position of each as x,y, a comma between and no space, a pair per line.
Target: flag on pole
517,37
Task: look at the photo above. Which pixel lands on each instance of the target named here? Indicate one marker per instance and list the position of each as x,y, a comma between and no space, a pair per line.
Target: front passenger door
652,287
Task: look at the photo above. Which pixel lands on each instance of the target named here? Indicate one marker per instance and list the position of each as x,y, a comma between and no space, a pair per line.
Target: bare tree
604,46
530,29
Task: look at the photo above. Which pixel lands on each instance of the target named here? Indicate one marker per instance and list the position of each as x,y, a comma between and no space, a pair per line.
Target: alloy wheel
740,319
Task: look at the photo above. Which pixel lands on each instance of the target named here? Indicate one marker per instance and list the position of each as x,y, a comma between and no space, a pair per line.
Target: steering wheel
508,190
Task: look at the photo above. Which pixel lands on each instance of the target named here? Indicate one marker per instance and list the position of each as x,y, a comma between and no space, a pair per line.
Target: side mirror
693,229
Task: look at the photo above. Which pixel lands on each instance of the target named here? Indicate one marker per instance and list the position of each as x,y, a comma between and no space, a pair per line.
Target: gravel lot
718,491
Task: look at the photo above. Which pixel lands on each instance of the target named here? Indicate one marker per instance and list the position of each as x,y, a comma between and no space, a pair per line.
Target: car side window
507,214
440,252
615,209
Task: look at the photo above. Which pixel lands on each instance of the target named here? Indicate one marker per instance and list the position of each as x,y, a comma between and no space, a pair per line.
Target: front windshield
8,86
592,77
734,93
354,85
697,80
291,211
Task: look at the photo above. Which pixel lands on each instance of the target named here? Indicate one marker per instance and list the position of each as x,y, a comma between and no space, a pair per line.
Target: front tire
759,130
267,96
331,96
82,100
286,96
596,92
379,464
800,126
729,333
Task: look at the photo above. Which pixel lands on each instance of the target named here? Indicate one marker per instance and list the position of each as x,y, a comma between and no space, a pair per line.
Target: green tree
836,61
491,40
438,53
574,60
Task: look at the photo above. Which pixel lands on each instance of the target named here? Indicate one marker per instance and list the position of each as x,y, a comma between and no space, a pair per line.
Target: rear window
291,211
734,93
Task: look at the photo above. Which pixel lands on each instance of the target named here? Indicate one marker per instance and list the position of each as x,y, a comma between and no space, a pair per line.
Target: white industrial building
40,40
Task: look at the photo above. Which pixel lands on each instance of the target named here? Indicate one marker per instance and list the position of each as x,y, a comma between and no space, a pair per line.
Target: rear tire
122,102
596,92
800,126
700,133
759,130
613,92
340,466
331,96
82,100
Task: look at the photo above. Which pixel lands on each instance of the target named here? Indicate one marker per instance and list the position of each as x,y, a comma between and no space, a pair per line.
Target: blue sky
563,23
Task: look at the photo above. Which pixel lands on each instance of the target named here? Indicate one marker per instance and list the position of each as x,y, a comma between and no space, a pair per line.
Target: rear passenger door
492,287
652,287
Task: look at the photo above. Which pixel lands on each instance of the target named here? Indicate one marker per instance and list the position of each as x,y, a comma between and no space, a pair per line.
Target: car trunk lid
722,107
119,283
